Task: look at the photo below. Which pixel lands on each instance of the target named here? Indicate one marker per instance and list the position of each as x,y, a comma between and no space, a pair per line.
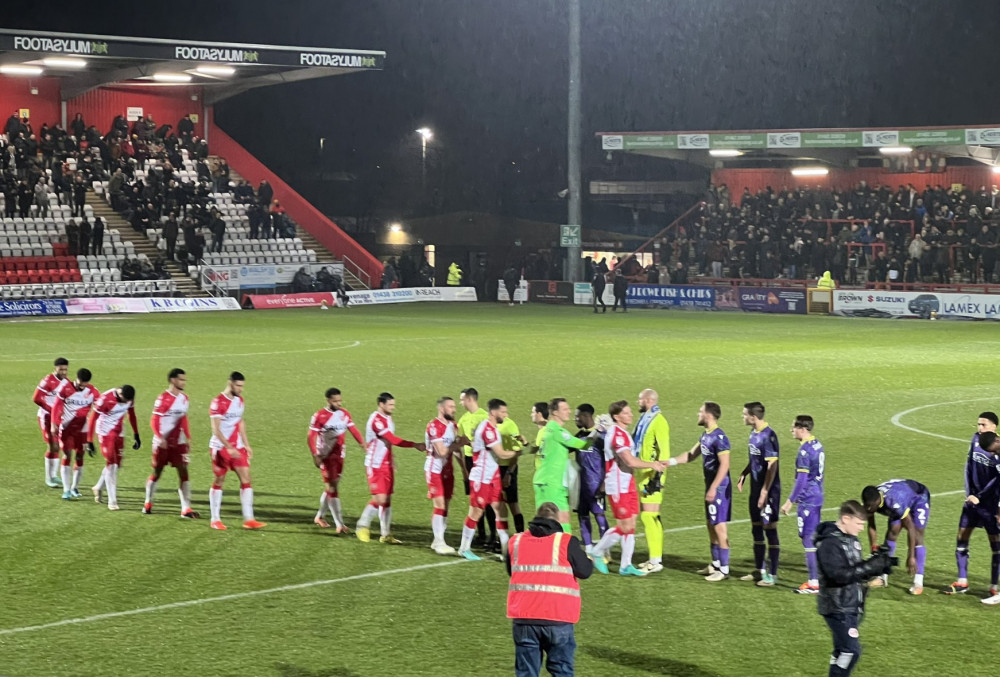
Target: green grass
62,560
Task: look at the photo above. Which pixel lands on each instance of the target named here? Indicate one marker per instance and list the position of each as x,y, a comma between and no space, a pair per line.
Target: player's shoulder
344,414
435,427
378,421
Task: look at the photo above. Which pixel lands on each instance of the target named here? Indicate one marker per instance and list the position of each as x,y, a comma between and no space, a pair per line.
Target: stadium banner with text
72,44
368,297
264,276
104,306
520,294
550,291
670,296
32,307
792,138
583,294
303,300
184,305
901,304
773,300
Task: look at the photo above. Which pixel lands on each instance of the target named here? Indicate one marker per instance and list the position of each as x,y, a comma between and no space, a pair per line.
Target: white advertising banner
892,304
263,276
102,306
183,305
583,294
368,297
520,294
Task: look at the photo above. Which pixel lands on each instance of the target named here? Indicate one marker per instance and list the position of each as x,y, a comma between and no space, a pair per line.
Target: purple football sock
715,552
962,558
723,556
602,523
773,550
920,553
811,566
585,529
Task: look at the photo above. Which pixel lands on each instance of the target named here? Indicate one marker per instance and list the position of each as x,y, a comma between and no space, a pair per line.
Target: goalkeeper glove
90,449
138,443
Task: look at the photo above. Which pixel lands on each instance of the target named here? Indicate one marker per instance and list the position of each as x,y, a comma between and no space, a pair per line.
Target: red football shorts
624,505
72,439
331,468
440,484
483,495
111,448
45,423
223,462
177,455
380,480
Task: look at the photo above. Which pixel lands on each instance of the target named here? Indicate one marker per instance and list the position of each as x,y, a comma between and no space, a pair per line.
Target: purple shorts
920,513
975,516
808,521
720,510
767,515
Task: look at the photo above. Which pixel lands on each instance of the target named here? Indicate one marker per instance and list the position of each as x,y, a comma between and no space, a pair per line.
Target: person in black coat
97,236
510,278
597,285
218,228
79,196
265,194
84,235
843,579
25,196
170,231
620,286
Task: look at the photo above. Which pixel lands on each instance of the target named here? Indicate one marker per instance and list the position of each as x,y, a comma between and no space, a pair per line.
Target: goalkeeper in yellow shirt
652,443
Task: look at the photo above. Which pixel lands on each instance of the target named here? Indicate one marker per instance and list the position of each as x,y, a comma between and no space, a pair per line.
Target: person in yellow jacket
454,275
826,282
652,442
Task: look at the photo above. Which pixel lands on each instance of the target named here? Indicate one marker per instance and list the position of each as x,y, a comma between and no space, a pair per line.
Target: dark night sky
490,77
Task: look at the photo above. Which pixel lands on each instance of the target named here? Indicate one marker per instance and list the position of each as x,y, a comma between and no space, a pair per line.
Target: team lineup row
613,468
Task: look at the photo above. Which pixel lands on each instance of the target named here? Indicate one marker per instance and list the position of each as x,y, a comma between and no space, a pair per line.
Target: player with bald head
652,443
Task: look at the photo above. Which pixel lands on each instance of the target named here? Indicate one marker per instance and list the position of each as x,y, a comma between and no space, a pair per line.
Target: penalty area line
224,598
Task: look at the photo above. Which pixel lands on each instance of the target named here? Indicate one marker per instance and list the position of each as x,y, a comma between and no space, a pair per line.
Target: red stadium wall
15,93
167,105
305,214
759,179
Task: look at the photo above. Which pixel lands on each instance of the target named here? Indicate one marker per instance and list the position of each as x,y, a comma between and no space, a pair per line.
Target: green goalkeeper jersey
554,454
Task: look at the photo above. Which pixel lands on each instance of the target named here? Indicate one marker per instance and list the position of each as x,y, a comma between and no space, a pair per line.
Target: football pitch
86,591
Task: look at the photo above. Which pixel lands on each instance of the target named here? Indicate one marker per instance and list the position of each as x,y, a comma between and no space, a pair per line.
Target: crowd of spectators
865,234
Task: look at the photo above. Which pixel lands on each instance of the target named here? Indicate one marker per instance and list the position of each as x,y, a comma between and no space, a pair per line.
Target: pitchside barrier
796,297
520,293
365,297
104,306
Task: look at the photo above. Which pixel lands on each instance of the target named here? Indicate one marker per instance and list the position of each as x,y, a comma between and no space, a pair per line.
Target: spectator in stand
716,254
680,274
389,279
25,196
10,197
78,127
185,127
84,235
72,238
988,256
203,170
170,231
41,199
201,149
221,177
48,148
79,195
879,270
243,193
97,236
217,226
302,281
265,194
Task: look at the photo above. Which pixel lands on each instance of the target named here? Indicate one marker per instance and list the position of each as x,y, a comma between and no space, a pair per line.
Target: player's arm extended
502,453
399,441
571,442
689,456
626,457
440,450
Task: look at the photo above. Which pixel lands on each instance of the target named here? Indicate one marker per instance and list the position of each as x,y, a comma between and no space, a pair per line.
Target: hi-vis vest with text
542,585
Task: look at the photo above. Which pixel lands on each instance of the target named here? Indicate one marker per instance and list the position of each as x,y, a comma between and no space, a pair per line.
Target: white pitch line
895,420
353,344
224,598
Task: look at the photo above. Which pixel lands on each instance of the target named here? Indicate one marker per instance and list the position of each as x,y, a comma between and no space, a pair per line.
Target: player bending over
231,451
106,418
327,433
69,416
907,503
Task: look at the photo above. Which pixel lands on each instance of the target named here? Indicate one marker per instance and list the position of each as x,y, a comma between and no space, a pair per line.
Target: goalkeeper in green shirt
652,443
553,457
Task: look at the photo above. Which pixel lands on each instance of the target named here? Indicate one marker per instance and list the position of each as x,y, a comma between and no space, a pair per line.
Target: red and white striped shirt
169,421
72,405
230,412
443,432
484,465
378,450
46,393
327,421
111,414
617,481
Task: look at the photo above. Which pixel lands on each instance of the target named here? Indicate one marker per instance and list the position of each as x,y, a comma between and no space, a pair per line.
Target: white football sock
51,468
322,506
437,527
67,473
246,503
504,537
628,547
367,514
185,493
385,520
918,580
111,477
333,503
215,503
468,533
150,489
77,476
608,540
101,482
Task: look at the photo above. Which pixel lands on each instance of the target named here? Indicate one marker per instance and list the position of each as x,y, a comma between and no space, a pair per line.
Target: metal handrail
357,271
208,284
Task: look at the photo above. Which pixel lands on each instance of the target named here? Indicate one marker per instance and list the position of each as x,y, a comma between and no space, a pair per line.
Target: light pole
425,135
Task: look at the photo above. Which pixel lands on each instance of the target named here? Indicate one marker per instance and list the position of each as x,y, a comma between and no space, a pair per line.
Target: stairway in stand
323,255
112,219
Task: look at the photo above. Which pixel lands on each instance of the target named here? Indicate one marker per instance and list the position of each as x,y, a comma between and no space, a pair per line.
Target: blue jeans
531,641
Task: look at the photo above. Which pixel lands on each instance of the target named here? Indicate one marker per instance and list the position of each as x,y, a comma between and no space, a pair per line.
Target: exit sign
569,236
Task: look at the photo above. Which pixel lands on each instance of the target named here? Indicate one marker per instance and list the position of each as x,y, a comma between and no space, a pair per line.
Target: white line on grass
895,420
353,344
225,598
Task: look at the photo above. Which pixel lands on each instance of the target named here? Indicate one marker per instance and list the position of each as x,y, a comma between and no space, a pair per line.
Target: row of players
72,413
